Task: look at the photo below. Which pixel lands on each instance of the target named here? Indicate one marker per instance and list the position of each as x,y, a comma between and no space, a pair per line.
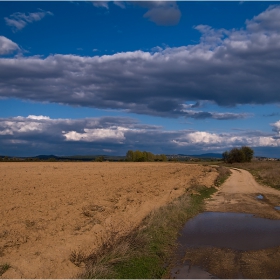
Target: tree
144,156
225,156
130,155
163,157
138,156
244,154
236,155
99,159
248,152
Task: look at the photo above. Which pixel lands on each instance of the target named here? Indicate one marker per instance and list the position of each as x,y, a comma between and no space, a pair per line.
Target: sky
92,78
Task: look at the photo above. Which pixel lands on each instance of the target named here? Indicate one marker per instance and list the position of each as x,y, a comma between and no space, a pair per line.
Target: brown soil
49,210
238,194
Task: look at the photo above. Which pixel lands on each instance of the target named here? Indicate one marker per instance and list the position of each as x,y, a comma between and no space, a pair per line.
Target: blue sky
167,77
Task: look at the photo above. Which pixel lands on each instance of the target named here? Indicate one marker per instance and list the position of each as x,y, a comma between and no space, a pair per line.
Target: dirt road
239,194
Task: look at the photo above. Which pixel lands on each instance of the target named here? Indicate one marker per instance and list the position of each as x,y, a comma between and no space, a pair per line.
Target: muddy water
188,271
236,231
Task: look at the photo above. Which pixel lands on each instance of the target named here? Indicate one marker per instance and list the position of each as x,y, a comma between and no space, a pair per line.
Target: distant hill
80,157
113,158
45,157
208,155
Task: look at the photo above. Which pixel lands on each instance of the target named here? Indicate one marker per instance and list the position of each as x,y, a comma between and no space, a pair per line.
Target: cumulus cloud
276,127
212,141
91,135
19,20
227,67
41,134
265,20
7,46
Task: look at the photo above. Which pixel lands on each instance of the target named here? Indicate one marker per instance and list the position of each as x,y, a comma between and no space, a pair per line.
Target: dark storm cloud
228,67
23,136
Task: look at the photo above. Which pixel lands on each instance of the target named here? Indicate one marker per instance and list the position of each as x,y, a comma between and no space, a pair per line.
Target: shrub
144,156
244,154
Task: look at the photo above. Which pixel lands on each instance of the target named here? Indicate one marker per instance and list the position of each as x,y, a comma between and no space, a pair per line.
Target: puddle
187,271
236,231
260,196
277,207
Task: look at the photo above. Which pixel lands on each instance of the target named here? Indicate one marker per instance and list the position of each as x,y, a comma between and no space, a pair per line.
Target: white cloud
19,126
7,46
91,135
19,20
71,136
120,4
223,141
33,117
101,4
276,127
268,20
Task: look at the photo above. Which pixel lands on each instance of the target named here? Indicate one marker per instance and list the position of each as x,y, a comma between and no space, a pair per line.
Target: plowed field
49,210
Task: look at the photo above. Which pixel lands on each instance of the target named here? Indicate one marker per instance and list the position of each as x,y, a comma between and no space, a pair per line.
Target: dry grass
265,172
116,249
224,173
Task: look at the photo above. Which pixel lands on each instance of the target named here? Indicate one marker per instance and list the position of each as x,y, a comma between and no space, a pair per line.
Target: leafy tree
225,156
236,155
130,155
138,156
248,152
244,154
99,159
163,157
144,156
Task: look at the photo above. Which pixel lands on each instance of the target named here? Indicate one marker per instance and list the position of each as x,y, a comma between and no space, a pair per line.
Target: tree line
244,154
144,156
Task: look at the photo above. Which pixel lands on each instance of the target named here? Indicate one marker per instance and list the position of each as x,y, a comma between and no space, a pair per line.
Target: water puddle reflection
236,231
187,271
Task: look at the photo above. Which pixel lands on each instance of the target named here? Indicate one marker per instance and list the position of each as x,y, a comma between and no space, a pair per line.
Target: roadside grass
148,250
265,172
3,268
224,173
